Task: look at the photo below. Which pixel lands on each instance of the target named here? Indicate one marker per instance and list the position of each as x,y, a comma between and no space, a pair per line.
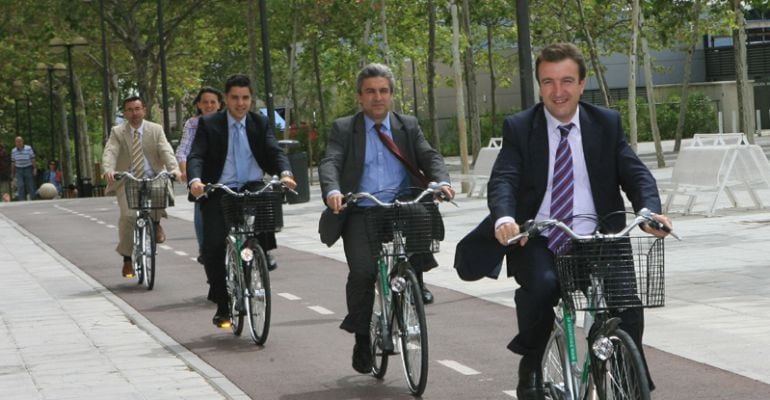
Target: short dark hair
204,90
238,80
132,98
375,70
561,51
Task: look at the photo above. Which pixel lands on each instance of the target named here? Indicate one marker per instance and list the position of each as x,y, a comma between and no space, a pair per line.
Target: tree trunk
86,157
470,82
492,82
595,61
687,76
431,76
651,101
463,137
633,132
251,27
741,74
294,118
64,142
386,48
319,87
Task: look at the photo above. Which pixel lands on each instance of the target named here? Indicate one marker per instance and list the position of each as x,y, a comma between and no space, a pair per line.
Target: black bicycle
145,195
248,281
395,230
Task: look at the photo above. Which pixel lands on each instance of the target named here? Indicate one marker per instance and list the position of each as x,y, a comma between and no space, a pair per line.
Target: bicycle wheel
413,334
554,363
379,356
148,254
257,296
623,375
234,287
137,260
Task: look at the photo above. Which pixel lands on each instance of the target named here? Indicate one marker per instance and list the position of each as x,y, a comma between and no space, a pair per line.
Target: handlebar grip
119,175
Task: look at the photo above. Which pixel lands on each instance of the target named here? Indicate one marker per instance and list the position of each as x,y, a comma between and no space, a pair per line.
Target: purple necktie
561,190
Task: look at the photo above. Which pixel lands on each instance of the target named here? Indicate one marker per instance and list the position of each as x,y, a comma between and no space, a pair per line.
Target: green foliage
700,116
450,145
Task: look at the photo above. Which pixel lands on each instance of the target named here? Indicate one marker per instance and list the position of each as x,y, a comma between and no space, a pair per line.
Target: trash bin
86,188
299,165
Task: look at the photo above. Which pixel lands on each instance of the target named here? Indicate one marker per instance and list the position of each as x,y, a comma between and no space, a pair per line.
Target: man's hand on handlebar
660,231
334,202
289,182
447,193
110,176
197,189
506,231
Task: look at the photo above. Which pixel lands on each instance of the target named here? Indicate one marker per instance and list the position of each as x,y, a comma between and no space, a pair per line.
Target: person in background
53,176
24,169
5,172
207,102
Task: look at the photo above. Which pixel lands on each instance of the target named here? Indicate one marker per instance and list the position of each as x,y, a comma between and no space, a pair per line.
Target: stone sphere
47,191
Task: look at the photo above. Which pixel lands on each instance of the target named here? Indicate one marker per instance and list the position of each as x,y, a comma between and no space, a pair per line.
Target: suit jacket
156,149
519,181
206,160
343,165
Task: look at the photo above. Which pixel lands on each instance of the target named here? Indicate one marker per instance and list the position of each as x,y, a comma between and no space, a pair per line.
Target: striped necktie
137,157
561,191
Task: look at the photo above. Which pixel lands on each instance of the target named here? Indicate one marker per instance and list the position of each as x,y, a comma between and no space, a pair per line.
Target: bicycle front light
397,284
247,254
603,348
141,222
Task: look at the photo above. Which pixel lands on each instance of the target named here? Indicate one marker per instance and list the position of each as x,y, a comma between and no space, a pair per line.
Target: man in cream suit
158,156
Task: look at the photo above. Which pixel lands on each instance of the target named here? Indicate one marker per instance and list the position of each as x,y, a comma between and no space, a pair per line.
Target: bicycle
395,230
145,195
598,273
248,281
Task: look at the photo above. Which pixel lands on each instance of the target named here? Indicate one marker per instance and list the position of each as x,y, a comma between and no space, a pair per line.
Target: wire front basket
419,224
154,192
253,213
629,270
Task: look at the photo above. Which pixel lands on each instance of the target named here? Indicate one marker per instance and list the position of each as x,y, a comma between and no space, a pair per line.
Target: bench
479,177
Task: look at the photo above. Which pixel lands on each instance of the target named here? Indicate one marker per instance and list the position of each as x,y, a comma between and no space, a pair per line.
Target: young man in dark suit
357,159
521,187
237,148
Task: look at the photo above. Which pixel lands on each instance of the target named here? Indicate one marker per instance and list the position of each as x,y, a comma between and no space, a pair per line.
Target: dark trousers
539,292
362,273
214,245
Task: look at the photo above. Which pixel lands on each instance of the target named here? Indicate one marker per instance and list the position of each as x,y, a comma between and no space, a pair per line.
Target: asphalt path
306,355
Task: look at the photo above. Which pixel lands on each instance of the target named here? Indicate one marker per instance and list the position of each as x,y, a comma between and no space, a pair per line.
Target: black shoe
222,317
362,355
530,386
200,259
427,296
271,263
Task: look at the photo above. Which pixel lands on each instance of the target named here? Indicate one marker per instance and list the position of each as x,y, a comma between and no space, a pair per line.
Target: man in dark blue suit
521,187
237,148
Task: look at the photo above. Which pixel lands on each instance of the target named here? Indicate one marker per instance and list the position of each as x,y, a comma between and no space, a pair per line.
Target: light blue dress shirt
384,175
240,165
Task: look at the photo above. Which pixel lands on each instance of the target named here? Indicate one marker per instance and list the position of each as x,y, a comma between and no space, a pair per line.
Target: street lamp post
50,70
20,90
79,41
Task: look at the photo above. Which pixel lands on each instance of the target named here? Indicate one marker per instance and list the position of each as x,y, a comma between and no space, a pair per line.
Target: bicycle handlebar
275,183
644,217
126,174
433,188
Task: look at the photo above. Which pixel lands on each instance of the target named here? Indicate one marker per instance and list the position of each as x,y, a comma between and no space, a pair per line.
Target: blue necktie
240,153
562,190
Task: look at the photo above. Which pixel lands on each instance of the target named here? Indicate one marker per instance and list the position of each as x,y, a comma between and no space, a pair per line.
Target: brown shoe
160,236
128,269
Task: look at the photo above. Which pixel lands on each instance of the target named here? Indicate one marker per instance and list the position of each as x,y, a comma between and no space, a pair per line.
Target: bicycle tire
137,261
622,376
554,363
234,286
148,253
413,334
257,296
379,356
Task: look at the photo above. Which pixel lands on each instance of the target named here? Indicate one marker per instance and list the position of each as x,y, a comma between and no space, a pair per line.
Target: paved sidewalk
64,336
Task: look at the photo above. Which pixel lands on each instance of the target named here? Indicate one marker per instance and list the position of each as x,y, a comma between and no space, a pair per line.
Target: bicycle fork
384,292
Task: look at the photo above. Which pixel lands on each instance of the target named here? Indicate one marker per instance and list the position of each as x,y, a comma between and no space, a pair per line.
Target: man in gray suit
157,154
358,159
